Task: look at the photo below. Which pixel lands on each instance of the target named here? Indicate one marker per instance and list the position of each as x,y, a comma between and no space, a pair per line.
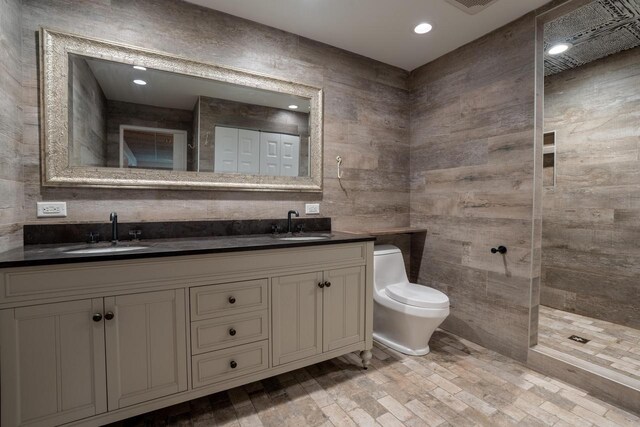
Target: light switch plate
312,208
52,209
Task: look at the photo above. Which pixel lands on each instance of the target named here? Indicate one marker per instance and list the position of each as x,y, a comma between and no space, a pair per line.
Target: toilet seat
417,295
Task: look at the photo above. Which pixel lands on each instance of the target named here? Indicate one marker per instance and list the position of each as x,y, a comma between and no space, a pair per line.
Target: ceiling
596,30
171,90
380,29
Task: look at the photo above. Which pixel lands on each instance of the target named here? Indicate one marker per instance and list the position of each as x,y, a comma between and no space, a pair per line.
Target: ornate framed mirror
121,116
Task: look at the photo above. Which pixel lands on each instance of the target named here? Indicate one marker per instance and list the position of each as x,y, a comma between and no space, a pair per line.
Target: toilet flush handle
501,249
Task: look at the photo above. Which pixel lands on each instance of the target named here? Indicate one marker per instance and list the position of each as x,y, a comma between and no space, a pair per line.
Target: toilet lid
417,295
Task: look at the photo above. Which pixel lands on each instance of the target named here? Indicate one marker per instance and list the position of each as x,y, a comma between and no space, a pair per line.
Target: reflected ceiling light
293,107
559,48
422,28
140,82
140,67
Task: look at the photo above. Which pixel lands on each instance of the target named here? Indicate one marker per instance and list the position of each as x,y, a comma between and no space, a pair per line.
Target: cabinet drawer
212,301
216,366
214,334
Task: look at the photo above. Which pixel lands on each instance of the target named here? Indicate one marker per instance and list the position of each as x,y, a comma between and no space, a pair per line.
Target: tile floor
612,346
458,384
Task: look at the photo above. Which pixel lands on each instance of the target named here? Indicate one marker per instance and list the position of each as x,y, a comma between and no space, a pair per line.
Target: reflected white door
249,151
270,153
226,150
289,155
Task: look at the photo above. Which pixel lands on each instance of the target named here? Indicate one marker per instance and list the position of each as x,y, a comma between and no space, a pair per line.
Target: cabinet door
52,363
297,317
146,346
343,306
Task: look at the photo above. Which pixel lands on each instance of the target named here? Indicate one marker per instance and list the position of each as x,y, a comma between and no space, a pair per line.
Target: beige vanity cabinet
91,343
66,361
317,312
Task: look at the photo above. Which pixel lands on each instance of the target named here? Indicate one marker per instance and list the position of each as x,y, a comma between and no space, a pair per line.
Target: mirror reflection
124,116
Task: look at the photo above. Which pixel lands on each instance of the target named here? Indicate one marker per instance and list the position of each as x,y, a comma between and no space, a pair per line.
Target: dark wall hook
501,249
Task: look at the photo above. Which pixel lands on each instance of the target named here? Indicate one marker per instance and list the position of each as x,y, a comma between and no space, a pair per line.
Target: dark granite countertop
51,254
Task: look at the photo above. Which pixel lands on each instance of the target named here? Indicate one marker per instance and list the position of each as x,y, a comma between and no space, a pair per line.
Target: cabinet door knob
97,317
232,300
233,364
232,332
321,285
327,284
109,315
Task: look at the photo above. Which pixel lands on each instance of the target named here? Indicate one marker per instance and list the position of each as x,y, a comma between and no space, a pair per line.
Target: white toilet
405,315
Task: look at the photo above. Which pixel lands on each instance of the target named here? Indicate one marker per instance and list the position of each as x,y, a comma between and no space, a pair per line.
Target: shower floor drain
579,339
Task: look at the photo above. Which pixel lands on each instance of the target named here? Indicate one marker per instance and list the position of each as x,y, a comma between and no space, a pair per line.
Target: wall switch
312,208
52,209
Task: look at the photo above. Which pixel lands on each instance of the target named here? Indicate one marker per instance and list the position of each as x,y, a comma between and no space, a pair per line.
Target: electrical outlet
312,208
52,209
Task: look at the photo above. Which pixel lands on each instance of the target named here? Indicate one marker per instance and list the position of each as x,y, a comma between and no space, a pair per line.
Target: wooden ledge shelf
387,231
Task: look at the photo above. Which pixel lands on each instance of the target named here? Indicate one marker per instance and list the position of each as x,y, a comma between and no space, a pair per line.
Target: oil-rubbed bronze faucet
291,212
114,227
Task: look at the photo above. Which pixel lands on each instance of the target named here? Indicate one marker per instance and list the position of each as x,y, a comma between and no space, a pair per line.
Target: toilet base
397,347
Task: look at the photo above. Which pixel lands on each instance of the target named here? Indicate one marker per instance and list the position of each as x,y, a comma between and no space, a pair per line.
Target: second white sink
105,250
304,238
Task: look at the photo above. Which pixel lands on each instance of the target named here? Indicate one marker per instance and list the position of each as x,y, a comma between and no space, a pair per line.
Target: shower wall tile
591,226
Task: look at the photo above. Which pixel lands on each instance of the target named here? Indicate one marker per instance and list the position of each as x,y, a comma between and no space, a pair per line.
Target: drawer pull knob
109,315
233,364
232,332
327,284
321,285
232,300
97,317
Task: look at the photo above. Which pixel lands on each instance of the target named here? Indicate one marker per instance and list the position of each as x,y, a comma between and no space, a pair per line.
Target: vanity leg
365,355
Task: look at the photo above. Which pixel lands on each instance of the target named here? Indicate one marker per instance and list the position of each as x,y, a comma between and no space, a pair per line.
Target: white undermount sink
304,238
104,250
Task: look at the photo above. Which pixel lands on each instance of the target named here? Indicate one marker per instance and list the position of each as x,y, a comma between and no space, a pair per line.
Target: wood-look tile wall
591,219
11,181
366,113
472,174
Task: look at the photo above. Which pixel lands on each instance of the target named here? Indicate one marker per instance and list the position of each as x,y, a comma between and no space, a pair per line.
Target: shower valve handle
500,249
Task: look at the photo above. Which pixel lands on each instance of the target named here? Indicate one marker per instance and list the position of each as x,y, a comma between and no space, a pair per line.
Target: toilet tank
388,266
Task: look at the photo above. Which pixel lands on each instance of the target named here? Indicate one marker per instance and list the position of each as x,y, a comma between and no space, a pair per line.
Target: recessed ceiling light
422,28
293,107
140,67
140,82
559,48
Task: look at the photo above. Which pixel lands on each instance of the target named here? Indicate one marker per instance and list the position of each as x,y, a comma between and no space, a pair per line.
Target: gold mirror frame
54,67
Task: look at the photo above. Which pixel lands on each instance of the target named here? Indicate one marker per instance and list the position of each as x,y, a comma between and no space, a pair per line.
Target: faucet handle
135,234
299,228
93,237
275,229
